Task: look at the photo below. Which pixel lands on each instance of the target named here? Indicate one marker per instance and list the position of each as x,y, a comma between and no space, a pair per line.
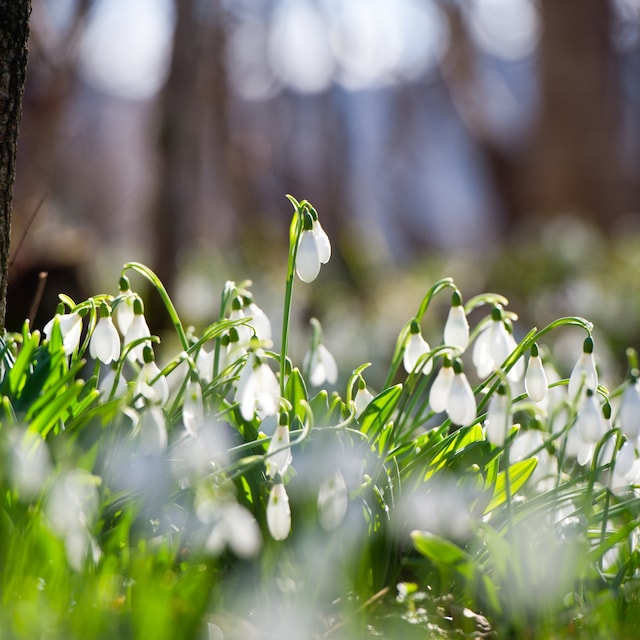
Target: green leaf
519,473
56,410
18,374
379,411
296,393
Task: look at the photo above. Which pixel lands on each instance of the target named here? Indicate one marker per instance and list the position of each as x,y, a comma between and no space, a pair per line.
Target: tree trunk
14,32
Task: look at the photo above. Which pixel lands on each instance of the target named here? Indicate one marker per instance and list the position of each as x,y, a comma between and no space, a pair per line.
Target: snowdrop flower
105,341
493,346
152,430
70,328
461,403
629,411
318,361
258,390
232,349
524,445
589,420
278,463
456,328
204,363
314,249
108,380
363,397
278,512
151,385
332,501
123,306
439,394
137,330
415,348
498,421
234,527
584,375
535,379
192,407
259,319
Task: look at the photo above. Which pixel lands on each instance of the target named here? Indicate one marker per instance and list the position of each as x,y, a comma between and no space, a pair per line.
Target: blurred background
495,141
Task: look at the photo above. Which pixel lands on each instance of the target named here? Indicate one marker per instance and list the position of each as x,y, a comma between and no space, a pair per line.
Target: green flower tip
606,410
496,313
534,350
307,220
237,304
60,309
125,285
587,347
83,312
283,419
456,299
415,327
147,354
502,389
361,383
104,310
138,306
446,360
457,366
232,336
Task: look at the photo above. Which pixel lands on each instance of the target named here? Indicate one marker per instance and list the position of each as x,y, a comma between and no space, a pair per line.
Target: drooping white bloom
530,443
152,430
362,398
259,321
192,407
245,332
137,330
332,501
535,379
151,384
456,328
439,393
321,366
123,306
629,411
107,381
278,512
584,375
278,463
461,403
105,341
258,390
308,257
415,348
70,328
589,420
498,418
322,241
204,362
234,527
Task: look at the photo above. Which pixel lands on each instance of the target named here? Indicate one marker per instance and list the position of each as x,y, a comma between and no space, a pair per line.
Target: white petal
416,347
625,458
332,501
105,341
456,329
243,533
137,329
629,412
362,400
583,376
589,421
259,321
481,356
123,314
439,393
461,403
192,408
322,241
153,430
308,258
279,462
535,380
204,362
497,422
278,512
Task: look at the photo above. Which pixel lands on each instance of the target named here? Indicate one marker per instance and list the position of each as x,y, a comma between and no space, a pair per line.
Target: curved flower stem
159,287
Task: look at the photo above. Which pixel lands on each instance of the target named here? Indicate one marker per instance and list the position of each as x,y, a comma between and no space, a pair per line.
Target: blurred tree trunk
575,161
14,32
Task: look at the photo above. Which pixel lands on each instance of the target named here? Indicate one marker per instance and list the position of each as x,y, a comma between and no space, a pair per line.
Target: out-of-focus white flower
123,306
535,379
137,330
259,321
204,362
362,398
415,348
107,381
498,417
461,403
258,389
584,375
456,328
152,430
30,463
321,366
439,393
233,526
523,446
151,385
629,411
332,501
278,463
589,420
278,512
192,407
105,341
70,328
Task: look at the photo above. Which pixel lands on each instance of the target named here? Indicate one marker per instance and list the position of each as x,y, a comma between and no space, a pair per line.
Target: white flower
415,348
456,328
363,398
137,330
234,527
629,411
278,463
461,403
332,501
535,379
258,390
192,407
584,375
589,420
70,328
105,341
439,393
245,332
308,257
107,381
278,512
259,321
152,430
204,362
498,423
123,306
493,346
321,366
322,242
150,383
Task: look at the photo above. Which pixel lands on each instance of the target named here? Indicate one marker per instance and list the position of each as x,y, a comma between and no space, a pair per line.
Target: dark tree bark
14,32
